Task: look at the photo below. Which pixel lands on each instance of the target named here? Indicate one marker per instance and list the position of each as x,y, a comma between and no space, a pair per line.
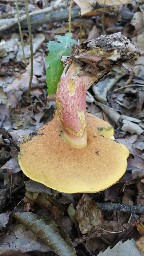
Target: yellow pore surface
47,159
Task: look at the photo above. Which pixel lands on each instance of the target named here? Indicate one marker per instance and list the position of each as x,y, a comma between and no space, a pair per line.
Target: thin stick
31,46
127,86
69,19
20,31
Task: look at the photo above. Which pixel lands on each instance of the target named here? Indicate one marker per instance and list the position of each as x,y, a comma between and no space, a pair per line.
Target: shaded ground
118,98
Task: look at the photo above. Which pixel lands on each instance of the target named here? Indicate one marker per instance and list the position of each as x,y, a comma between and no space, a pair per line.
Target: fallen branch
47,15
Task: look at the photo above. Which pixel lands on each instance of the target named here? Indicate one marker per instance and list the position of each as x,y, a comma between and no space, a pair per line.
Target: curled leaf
47,232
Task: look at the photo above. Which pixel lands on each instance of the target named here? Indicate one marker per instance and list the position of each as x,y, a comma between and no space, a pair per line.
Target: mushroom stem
71,105
95,58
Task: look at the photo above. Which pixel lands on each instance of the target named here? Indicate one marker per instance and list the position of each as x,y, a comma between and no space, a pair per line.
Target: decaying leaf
20,239
102,88
72,214
140,243
127,248
128,141
47,232
37,41
36,187
139,144
131,127
3,98
137,162
136,28
3,49
20,83
140,228
4,218
11,166
88,215
110,112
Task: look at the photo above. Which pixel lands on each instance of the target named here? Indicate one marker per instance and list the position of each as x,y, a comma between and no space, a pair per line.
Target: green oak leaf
57,49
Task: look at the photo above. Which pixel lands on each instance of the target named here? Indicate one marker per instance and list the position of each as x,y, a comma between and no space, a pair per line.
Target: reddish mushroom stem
99,55
71,105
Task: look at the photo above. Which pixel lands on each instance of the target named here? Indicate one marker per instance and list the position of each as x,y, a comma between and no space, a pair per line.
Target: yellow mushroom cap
100,126
47,159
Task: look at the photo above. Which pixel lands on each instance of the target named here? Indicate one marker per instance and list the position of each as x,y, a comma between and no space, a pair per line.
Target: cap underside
47,159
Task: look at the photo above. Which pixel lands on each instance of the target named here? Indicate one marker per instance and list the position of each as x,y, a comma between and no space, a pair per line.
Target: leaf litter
126,249
118,97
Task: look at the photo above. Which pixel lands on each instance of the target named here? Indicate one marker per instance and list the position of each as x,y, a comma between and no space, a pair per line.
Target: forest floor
118,99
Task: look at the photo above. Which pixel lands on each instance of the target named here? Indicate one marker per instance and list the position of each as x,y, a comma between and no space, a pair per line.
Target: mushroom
74,153
69,153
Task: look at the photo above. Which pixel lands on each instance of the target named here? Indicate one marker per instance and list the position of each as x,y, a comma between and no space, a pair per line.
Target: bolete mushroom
74,153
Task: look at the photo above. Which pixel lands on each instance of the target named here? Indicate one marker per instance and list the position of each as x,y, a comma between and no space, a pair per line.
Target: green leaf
55,66
48,232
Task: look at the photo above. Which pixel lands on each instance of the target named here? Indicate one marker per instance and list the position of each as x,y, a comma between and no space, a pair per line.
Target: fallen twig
128,86
122,208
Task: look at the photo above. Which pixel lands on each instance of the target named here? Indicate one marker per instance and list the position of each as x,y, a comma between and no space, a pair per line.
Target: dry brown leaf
88,5
88,215
140,228
140,243
94,33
